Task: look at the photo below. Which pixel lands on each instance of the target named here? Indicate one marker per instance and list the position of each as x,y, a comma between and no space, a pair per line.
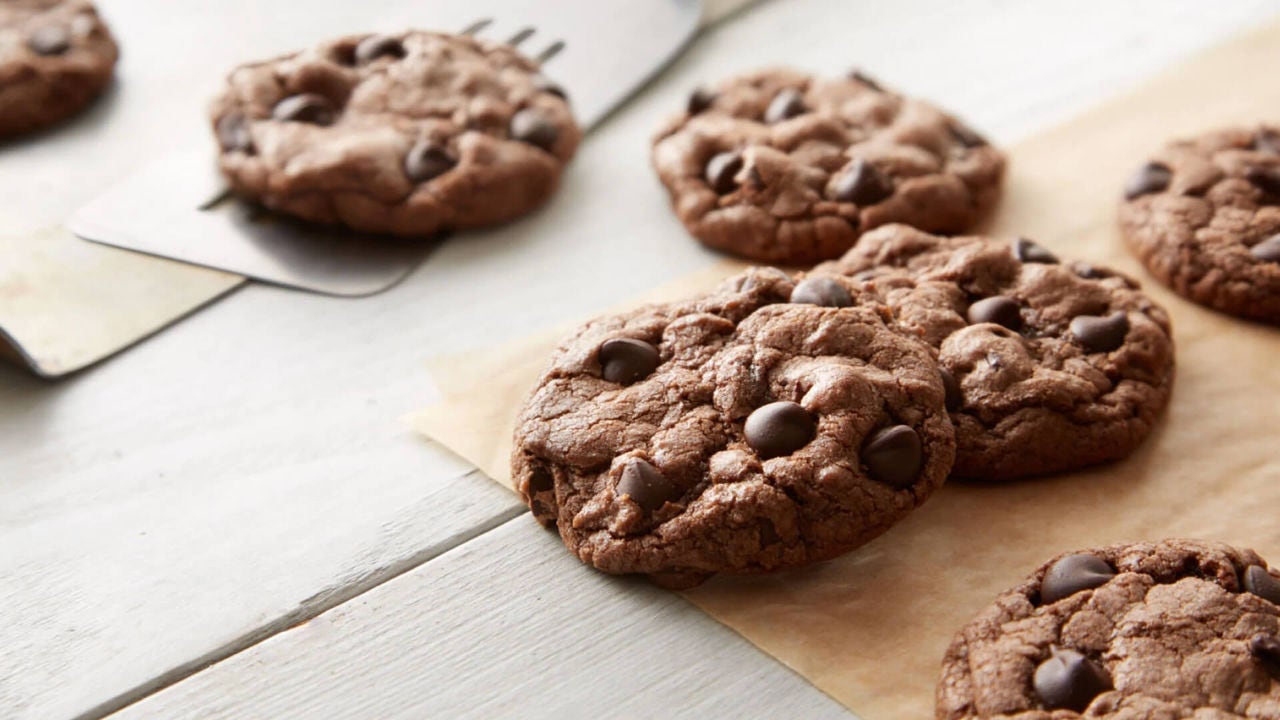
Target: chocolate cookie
1204,216
782,167
56,56
765,425
408,134
1051,366
1173,629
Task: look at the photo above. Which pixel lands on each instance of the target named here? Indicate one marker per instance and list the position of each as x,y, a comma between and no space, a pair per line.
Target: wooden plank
247,469
506,625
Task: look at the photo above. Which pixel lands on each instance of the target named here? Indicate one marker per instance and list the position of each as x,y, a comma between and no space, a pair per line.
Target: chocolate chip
822,291
999,309
305,108
701,99
645,485
1069,680
377,46
1100,334
1267,140
1262,583
894,455
1266,648
722,170
951,389
1028,251
966,135
1268,250
1072,574
233,134
786,105
1090,272
427,160
865,80
542,83
863,184
530,126
779,428
1265,179
541,480
627,360
1153,177
50,40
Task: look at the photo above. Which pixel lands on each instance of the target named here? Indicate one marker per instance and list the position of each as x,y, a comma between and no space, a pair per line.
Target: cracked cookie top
1204,217
765,425
55,57
779,166
1171,629
410,134
1051,365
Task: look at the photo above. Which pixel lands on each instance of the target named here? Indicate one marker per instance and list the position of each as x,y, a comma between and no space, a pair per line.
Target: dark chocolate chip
865,80
1028,251
722,170
377,46
966,135
1072,574
951,389
1069,680
627,360
645,485
1262,583
779,428
863,184
1267,140
1100,334
999,309
233,133
822,291
786,105
305,108
1265,179
541,480
50,40
427,160
1268,250
530,126
701,99
1090,272
894,455
542,83
768,533
1265,648
1153,177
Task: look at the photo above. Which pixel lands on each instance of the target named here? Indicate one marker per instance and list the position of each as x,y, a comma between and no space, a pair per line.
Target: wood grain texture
545,637
247,469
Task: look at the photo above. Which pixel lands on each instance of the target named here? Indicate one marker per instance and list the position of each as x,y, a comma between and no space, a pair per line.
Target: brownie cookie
765,425
56,56
1050,366
1151,631
1204,217
410,134
782,167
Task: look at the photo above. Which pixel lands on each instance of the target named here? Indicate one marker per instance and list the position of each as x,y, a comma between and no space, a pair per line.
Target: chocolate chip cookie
1050,365
765,425
1204,217
1172,629
779,166
410,134
56,56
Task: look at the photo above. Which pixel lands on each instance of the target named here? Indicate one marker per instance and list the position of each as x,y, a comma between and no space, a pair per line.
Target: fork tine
477,26
552,50
521,36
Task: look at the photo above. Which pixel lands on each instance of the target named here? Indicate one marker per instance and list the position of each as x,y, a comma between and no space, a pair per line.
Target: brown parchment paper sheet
870,628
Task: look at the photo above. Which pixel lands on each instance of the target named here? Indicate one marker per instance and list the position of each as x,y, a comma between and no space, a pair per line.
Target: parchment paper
870,628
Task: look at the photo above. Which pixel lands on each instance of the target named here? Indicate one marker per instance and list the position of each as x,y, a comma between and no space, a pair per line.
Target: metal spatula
600,51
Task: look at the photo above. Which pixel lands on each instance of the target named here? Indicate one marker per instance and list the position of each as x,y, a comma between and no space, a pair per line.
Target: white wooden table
241,490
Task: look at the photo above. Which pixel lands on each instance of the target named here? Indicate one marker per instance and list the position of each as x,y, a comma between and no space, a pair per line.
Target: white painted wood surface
246,469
